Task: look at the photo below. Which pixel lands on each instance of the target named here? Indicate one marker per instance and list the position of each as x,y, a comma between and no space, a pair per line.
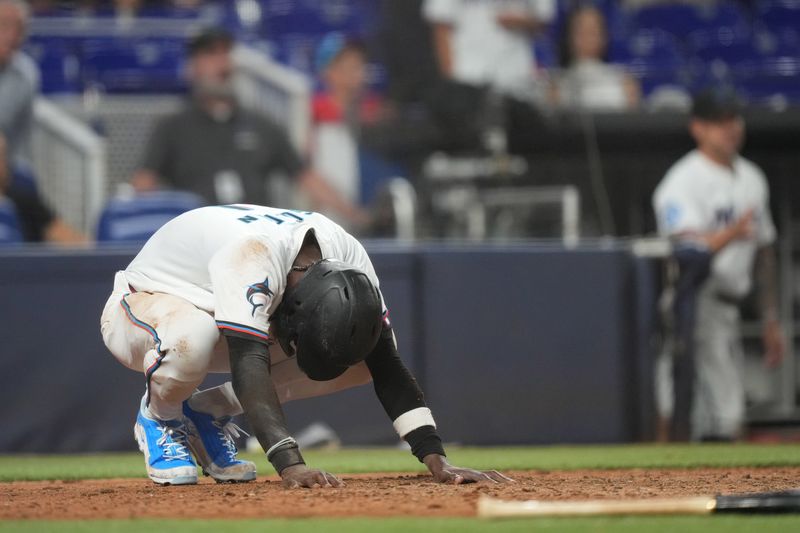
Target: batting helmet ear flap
330,320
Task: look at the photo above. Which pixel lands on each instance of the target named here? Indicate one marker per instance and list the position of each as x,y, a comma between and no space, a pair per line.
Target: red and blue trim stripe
153,333
239,328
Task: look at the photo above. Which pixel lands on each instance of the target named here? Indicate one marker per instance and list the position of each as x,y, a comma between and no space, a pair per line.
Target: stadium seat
762,67
652,56
546,52
10,233
294,28
24,178
139,65
776,77
729,55
779,14
681,20
58,61
136,218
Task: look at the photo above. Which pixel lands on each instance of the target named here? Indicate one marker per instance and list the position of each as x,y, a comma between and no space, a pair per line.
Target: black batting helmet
331,319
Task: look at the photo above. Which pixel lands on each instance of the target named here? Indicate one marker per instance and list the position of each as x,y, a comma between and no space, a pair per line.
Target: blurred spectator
19,81
486,42
407,50
586,79
37,221
127,8
223,153
340,108
720,200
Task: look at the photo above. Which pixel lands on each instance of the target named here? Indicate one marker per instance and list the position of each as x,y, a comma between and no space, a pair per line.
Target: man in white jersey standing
289,304
716,198
488,42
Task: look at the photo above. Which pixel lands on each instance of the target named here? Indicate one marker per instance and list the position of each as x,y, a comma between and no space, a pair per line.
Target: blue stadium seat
136,219
681,20
294,27
58,63
546,52
779,14
10,233
139,65
24,178
762,66
375,172
776,76
734,54
654,57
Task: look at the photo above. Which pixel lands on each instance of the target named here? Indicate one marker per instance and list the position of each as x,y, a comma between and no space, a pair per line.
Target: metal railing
70,164
565,198
404,207
79,168
277,91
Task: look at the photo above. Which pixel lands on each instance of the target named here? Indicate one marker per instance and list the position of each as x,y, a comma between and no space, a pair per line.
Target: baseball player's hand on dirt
300,476
444,472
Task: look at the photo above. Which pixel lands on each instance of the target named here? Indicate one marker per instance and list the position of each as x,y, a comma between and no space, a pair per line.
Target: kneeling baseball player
289,304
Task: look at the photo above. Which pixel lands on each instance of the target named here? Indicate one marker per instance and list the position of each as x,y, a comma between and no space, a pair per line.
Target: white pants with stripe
176,345
719,398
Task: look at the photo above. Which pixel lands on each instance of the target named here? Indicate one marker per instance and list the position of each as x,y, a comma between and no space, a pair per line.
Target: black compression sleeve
399,393
254,388
425,441
396,388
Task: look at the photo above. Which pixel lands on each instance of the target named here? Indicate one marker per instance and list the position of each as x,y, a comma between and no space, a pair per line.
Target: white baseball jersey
484,51
700,196
232,261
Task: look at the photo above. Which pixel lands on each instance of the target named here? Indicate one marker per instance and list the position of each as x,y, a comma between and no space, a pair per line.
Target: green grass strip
131,465
684,524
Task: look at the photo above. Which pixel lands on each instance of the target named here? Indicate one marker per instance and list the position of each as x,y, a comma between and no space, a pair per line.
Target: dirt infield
365,495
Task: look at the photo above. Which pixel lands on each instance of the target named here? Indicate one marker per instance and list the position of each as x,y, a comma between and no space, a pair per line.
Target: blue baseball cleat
211,442
163,443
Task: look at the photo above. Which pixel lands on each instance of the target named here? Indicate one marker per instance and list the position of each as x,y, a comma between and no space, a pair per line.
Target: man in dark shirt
223,152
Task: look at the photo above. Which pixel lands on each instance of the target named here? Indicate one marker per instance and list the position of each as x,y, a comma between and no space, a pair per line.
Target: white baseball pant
176,345
718,405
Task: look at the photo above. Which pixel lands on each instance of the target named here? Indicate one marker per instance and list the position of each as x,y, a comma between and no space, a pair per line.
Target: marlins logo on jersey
258,294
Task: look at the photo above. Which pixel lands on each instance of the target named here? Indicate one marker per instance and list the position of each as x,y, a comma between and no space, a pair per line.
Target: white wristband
283,442
411,420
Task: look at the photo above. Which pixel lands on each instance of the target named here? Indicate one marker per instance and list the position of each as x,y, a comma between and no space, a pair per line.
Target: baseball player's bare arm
767,289
253,386
399,394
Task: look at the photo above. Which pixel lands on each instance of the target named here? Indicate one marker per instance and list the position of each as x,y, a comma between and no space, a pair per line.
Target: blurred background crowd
436,118
478,120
